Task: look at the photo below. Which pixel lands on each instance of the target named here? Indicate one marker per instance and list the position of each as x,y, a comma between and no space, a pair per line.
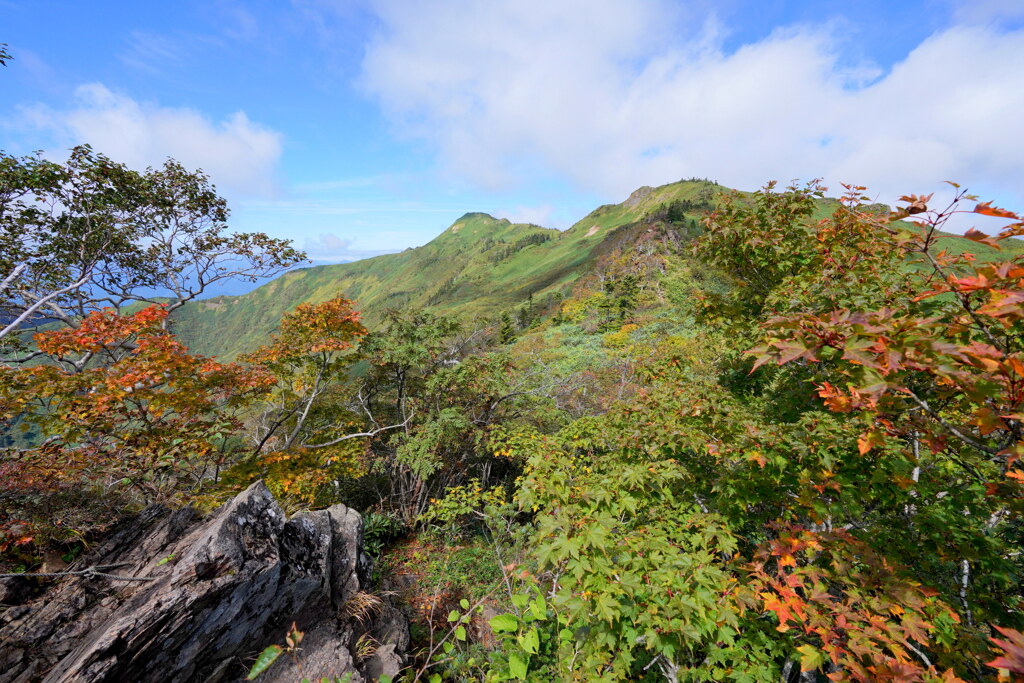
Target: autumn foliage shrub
146,421
833,486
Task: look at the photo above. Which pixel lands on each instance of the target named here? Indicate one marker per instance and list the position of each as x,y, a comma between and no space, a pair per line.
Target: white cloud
239,155
614,95
329,248
985,11
537,215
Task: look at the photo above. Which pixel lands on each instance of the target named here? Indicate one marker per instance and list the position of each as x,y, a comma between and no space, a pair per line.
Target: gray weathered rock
221,589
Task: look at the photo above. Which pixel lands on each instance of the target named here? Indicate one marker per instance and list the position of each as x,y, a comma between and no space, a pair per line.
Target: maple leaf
868,440
835,399
758,457
781,610
1012,658
986,209
982,238
811,658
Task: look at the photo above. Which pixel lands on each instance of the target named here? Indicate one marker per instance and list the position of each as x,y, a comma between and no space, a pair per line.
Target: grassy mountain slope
479,266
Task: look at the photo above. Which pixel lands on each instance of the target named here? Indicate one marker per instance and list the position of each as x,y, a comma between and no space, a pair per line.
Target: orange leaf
979,236
986,209
868,440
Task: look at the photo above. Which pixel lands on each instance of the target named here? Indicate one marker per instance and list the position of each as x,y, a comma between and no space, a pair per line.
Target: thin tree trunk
965,578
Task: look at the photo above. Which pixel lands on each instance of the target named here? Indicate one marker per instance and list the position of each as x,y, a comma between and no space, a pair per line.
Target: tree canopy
91,233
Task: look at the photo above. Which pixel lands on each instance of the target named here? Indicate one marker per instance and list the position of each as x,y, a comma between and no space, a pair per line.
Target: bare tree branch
40,303
373,432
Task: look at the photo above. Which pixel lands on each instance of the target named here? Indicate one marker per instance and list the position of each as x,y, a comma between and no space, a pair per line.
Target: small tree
310,352
507,333
119,411
154,424
306,435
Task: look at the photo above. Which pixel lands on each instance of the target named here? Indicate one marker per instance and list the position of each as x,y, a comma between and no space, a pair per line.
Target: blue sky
361,127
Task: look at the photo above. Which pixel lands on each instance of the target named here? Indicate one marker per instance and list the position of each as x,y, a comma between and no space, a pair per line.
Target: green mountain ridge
478,267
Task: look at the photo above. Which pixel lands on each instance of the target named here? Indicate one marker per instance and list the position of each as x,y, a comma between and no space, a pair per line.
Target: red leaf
1012,658
986,209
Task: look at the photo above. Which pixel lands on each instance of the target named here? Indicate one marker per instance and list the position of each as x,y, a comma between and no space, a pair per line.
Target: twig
950,428
373,432
40,303
924,658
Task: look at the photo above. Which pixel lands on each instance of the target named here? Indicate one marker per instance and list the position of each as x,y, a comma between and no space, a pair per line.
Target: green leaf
504,622
453,616
530,641
464,603
460,633
263,662
811,658
517,666
565,634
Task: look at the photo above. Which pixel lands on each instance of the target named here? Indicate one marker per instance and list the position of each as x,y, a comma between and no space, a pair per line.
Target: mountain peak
638,195
474,221
479,216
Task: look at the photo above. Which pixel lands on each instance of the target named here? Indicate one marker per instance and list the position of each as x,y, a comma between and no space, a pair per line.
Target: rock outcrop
209,594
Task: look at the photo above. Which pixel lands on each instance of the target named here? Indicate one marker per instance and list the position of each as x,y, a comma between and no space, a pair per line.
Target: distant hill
479,266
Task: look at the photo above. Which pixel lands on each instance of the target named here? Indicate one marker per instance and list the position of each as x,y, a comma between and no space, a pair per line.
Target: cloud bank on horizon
607,95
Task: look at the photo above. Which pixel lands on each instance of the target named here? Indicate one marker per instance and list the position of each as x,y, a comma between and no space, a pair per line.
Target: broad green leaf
811,658
530,641
539,607
263,662
504,622
517,666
